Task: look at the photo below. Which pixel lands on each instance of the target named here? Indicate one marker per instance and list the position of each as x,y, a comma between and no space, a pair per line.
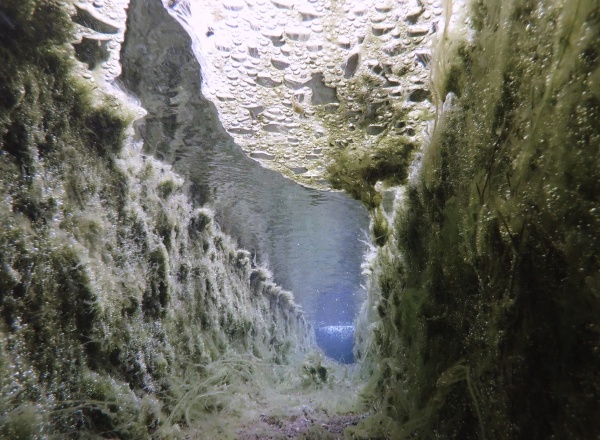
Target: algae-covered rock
485,303
116,294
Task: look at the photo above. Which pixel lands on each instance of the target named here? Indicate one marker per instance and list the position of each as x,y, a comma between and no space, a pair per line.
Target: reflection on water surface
311,240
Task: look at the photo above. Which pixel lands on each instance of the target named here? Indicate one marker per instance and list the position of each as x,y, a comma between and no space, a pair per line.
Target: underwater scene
311,219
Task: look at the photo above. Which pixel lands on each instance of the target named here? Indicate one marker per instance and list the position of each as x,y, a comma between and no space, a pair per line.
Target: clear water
337,341
311,240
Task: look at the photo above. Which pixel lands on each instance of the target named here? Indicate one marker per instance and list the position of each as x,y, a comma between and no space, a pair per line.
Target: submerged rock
119,299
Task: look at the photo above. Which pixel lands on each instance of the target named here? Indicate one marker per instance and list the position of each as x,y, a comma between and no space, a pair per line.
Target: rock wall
483,314
117,295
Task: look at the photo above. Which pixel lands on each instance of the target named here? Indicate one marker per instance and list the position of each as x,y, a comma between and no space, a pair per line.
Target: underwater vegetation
484,311
361,168
125,312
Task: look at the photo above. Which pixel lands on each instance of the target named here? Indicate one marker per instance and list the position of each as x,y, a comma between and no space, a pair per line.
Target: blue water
337,342
312,241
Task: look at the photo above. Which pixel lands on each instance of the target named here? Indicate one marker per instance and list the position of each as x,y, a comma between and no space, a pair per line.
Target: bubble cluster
292,80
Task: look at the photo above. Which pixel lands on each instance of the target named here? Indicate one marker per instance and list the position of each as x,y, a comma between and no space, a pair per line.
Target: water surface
310,240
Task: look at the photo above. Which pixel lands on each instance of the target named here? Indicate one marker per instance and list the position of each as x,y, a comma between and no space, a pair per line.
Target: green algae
357,171
484,295
110,304
363,164
484,304
360,159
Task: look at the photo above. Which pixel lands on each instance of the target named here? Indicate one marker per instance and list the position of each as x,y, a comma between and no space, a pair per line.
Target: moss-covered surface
357,170
484,305
121,306
364,163
361,157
